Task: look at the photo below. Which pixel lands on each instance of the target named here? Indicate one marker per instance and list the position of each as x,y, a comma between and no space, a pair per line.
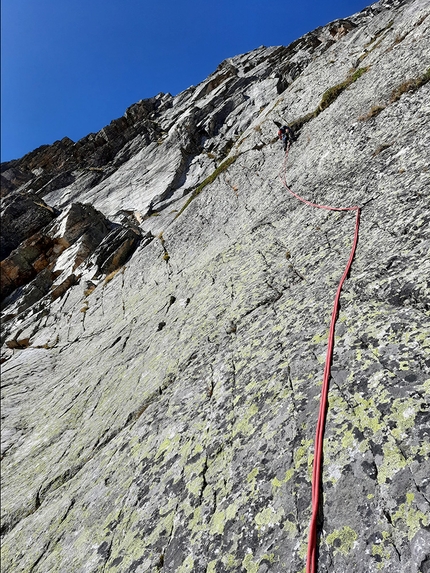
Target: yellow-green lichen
169,506
164,526
413,518
393,461
187,565
166,445
380,550
290,528
268,517
342,539
252,475
422,449
251,479
195,468
195,485
304,455
348,439
243,425
403,411
249,565
367,414
220,518
319,338
195,523
278,483
231,562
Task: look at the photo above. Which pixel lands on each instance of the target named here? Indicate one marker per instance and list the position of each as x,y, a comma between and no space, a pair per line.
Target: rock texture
164,328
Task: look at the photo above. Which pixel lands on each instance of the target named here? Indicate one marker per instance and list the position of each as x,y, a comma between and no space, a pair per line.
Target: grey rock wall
159,412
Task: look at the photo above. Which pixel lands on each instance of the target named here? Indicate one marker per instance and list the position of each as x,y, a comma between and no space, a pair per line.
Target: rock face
165,327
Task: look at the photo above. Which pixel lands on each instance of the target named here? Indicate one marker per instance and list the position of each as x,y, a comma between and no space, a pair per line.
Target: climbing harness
319,434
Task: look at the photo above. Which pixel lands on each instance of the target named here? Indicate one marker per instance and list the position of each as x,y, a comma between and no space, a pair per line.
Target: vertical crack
204,481
296,509
124,344
291,387
234,393
211,384
122,295
343,395
41,556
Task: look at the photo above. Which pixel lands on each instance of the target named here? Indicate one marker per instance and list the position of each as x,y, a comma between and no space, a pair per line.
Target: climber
285,134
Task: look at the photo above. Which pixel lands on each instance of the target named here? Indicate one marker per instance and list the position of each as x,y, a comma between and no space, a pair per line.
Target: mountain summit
165,313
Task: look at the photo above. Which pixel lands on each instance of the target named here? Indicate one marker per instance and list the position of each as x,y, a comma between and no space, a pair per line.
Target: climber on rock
285,134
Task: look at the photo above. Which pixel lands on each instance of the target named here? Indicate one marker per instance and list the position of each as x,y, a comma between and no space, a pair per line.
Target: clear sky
71,66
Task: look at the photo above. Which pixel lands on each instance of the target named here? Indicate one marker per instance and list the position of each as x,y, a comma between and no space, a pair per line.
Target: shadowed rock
21,217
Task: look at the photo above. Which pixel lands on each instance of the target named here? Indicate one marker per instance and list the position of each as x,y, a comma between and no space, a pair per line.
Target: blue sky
71,66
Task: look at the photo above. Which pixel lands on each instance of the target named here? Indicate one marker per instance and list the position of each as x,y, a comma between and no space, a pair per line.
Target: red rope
319,435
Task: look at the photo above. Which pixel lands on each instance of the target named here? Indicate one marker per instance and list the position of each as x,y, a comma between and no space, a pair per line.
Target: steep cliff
165,313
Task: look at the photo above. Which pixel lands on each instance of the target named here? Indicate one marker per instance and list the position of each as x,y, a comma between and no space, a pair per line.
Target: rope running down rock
319,435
